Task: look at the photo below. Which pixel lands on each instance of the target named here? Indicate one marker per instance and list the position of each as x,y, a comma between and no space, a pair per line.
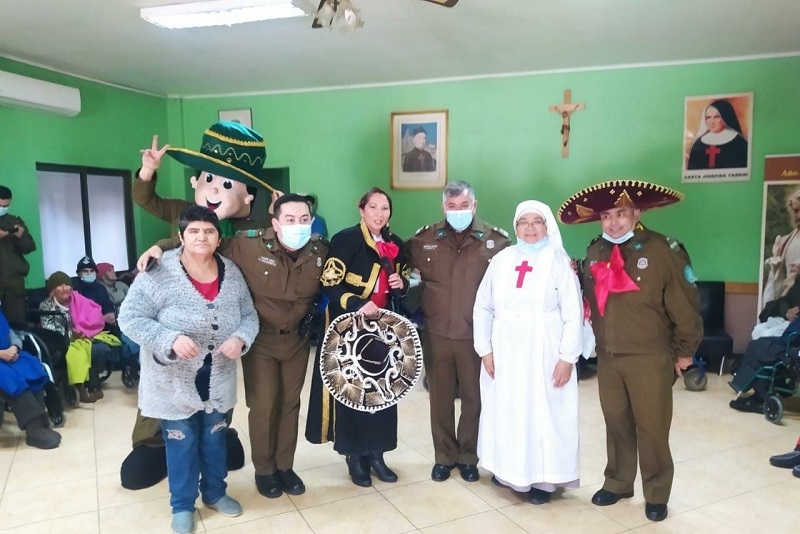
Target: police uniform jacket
13,266
353,267
283,288
663,316
453,272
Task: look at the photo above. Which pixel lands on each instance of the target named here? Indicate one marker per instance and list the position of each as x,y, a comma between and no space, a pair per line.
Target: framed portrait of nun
717,136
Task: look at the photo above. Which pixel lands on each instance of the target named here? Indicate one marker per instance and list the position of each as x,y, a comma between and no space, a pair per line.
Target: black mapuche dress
348,280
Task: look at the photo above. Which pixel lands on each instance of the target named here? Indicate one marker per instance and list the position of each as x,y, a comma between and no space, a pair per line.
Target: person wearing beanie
22,379
117,290
88,286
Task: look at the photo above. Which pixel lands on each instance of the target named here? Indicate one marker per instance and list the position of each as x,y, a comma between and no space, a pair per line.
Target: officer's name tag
268,261
430,247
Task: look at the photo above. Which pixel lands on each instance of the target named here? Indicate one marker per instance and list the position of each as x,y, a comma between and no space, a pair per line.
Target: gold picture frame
419,149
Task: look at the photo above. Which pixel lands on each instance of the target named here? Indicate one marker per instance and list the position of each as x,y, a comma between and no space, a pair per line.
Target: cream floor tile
562,514
354,514
430,503
327,484
311,455
409,465
87,523
492,521
111,494
289,523
775,506
141,518
692,521
492,495
38,504
35,468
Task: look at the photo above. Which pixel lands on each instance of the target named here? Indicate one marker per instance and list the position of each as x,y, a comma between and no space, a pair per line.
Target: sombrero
228,149
587,204
369,363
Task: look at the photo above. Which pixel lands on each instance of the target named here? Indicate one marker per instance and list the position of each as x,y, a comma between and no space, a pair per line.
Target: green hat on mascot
228,149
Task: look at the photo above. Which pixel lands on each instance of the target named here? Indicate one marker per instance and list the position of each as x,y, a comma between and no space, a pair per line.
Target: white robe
529,431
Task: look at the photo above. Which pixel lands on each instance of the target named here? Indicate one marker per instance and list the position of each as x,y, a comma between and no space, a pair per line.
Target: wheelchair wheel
71,396
695,379
58,420
105,374
773,409
130,376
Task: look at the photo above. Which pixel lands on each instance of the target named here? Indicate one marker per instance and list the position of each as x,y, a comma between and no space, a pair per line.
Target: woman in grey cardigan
193,317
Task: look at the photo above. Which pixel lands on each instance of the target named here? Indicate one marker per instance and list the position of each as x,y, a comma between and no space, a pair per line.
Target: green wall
505,142
109,131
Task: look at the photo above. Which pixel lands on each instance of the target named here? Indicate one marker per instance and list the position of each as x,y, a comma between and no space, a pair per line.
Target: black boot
39,434
375,461
359,470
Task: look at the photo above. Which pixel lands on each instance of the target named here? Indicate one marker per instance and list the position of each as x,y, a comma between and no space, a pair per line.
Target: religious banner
717,136
780,242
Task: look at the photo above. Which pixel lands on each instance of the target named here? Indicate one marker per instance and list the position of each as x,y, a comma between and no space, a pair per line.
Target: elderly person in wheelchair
778,332
22,381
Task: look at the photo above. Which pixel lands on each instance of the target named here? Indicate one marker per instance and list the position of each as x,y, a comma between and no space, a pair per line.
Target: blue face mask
531,247
459,219
3,210
89,278
295,236
619,240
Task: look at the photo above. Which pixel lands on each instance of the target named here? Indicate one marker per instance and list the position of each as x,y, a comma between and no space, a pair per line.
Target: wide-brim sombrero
228,149
369,363
587,204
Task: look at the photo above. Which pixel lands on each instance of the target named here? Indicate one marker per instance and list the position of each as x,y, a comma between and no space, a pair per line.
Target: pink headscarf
103,269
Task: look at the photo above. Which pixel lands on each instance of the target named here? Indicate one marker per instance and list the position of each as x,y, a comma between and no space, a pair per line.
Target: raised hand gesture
151,159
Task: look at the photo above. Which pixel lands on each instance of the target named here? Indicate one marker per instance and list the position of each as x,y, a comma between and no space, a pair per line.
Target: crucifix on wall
566,109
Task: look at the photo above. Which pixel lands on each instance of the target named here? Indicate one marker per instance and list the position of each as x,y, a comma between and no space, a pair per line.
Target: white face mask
459,219
619,240
3,210
295,236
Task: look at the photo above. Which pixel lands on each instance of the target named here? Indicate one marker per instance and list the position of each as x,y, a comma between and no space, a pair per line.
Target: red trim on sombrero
587,204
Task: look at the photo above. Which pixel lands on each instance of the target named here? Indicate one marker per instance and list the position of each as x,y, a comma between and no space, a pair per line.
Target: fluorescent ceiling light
219,13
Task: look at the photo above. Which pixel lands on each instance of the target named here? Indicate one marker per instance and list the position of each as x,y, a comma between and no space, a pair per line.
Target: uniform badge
319,261
430,247
688,273
642,263
637,246
268,261
490,244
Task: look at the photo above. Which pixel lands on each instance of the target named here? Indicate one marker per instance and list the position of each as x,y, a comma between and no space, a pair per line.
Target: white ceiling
402,41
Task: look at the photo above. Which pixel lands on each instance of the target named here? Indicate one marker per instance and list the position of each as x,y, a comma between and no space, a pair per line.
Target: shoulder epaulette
422,229
253,232
593,241
673,243
500,231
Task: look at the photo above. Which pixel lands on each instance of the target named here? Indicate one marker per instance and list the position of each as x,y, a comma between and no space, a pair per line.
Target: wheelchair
784,381
55,367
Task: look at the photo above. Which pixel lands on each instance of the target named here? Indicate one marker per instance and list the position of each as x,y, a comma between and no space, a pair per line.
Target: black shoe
606,498
41,437
497,482
269,486
796,471
359,470
789,460
441,472
382,471
537,496
290,482
655,512
469,472
747,404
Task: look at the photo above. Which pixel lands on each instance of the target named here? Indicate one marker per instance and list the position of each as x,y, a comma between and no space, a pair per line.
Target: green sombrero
587,204
228,149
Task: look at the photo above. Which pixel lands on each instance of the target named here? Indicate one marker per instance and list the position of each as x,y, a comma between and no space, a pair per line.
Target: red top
209,290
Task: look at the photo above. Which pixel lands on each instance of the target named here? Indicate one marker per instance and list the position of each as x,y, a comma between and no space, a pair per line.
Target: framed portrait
419,149
242,116
717,136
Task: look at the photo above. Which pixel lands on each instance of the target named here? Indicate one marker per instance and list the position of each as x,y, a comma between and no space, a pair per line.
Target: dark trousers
274,372
13,305
759,352
636,399
452,364
26,407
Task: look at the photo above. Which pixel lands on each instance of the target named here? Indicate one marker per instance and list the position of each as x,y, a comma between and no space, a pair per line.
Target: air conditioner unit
22,92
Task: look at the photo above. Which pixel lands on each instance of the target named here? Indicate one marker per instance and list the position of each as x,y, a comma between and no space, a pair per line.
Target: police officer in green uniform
452,256
15,243
645,315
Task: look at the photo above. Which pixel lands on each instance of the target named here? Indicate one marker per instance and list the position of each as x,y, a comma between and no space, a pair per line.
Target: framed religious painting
717,136
780,228
419,149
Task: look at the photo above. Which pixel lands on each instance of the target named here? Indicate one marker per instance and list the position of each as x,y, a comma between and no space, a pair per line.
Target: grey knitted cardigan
163,304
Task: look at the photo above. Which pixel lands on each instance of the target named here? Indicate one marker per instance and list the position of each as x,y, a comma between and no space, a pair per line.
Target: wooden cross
566,109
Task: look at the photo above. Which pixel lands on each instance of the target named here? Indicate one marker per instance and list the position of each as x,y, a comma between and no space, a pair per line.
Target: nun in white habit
528,319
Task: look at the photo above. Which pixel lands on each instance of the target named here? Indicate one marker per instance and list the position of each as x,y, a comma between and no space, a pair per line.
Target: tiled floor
723,482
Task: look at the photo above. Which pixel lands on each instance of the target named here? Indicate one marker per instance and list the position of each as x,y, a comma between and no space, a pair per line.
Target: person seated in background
318,225
117,290
790,460
766,350
81,322
22,379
